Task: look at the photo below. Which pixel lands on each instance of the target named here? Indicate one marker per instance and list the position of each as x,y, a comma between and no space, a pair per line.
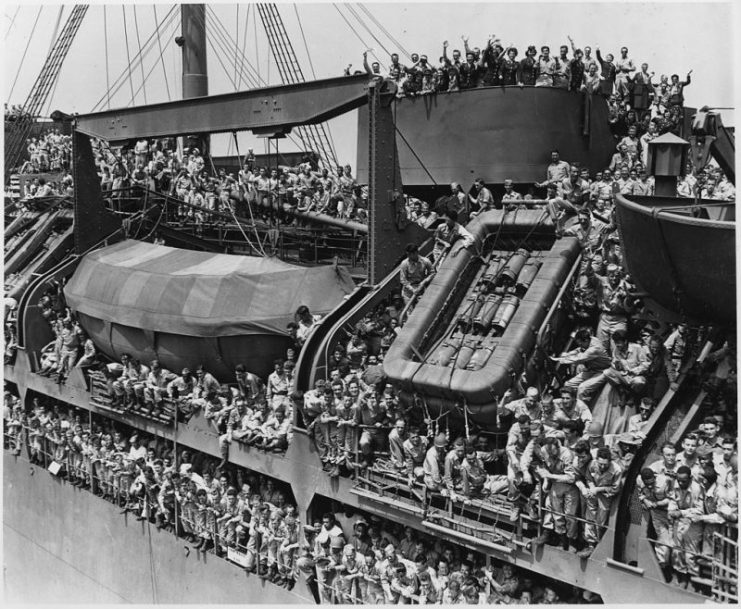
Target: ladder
47,78
313,137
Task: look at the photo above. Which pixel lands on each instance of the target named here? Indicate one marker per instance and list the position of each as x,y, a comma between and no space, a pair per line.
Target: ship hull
496,133
97,555
687,265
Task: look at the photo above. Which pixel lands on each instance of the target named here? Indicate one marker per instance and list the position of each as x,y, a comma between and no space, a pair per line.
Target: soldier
686,506
603,483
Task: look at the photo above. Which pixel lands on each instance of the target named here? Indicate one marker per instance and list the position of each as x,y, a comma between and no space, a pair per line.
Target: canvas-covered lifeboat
187,307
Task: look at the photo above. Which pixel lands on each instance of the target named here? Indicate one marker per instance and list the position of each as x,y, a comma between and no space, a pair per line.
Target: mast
192,41
193,31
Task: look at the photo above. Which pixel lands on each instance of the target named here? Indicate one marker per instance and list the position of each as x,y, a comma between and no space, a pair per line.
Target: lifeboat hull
686,264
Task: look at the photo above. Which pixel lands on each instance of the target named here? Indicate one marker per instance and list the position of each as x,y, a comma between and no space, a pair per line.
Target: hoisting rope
28,43
386,32
159,43
148,46
139,45
358,36
107,74
352,11
128,53
303,37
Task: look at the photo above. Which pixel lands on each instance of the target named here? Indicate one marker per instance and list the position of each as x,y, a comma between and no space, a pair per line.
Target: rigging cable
244,38
56,29
105,34
28,43
352,11
236,38
128,53
385,31
358,36
139,44
313,72
148,46
12,21
162,60
154,66
303,37
414,153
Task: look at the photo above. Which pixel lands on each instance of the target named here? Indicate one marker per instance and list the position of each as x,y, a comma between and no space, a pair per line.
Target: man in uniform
413,272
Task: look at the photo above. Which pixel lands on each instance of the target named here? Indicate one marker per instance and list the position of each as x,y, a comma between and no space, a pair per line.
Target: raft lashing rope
487,309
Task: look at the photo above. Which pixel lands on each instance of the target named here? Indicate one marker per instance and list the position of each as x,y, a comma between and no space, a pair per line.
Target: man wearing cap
529,405
603,484
397,437
510,198
372,416
558,475
588,230
654,494
313,400
415,449
590,356
136,450
613,305
686,506
624,449
433,465
629,364
390,568
360,540
638,423
349,575
452,476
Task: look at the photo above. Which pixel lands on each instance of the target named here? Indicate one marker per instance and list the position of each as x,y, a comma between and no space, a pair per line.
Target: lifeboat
481,312
683,255
188,308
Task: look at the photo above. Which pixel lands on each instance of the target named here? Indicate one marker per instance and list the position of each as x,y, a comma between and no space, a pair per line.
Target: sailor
624,66
546,68
434,463
413,272
638,423
686,506
590,355
452,477
654,494
603,484
448,233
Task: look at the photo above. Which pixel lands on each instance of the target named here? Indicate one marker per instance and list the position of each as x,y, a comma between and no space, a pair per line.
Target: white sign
238,557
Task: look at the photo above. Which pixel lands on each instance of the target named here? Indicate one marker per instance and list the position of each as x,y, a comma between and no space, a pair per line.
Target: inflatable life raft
480,314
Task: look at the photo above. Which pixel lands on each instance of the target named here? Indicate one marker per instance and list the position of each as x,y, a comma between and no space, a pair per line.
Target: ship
488,318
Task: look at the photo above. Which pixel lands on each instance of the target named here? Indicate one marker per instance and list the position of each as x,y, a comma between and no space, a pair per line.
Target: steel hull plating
496,133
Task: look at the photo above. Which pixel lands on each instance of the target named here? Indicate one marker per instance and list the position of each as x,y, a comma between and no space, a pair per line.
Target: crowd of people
51,152
273,195
14,113
498,64
339,556
550,457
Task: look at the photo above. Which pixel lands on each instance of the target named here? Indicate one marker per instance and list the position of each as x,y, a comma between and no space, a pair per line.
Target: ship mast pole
195,69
